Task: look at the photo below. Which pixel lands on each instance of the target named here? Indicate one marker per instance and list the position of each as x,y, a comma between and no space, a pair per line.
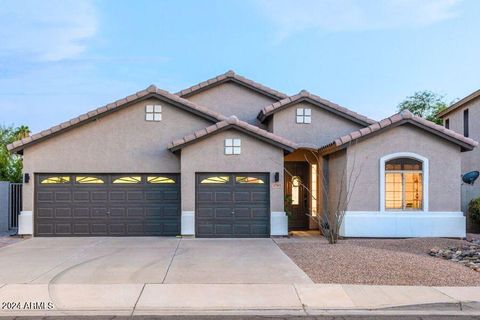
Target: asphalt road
221,317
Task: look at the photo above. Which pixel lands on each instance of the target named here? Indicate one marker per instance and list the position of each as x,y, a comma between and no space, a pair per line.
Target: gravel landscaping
379,262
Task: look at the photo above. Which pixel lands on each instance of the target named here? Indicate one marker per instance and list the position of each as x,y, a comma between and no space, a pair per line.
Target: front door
296,177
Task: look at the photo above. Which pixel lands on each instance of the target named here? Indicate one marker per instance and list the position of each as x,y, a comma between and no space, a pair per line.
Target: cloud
52,30
293,16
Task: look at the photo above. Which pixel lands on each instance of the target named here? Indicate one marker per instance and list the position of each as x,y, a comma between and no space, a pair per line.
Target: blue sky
59,59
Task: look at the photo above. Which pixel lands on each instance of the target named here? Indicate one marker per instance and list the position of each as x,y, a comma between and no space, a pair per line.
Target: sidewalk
270,299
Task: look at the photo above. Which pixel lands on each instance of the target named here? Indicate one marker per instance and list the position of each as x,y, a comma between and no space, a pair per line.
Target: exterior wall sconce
277,176
26,178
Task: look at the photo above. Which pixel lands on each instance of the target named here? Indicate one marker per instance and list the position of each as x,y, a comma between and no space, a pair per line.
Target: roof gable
235,123
150,92
398,119
460,103
231,76
317,101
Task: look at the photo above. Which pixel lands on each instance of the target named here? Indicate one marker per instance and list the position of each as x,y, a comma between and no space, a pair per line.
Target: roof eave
262,115
230,126
108,111
459,104
230,79
334,147
233,77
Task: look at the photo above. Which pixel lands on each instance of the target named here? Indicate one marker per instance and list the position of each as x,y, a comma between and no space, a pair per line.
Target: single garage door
107,205
232,205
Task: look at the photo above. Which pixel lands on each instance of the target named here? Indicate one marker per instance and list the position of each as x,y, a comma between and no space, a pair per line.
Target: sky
62,58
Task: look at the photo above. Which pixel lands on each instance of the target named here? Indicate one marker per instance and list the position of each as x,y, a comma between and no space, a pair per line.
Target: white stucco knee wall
188,223
25,223
278,223
403,224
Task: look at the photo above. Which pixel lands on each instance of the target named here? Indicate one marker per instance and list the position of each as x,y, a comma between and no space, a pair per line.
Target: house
463,117
225,157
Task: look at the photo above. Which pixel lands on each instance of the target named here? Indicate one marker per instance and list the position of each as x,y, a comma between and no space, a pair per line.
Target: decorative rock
468,255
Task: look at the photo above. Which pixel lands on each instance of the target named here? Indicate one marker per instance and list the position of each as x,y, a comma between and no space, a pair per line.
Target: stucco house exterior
226,157
463,117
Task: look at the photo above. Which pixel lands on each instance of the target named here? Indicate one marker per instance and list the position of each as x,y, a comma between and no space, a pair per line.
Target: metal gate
14,205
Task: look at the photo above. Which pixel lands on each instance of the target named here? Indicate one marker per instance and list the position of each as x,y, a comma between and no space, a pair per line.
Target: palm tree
21,132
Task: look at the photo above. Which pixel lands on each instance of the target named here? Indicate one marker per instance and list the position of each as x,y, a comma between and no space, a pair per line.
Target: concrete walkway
271,299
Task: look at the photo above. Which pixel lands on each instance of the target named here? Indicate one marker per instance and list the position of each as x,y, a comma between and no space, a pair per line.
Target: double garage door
107,205
232,205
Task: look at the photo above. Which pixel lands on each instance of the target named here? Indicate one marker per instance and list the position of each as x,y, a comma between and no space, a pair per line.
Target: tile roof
398,119
231,76
151,91
238,124
316,100
460,103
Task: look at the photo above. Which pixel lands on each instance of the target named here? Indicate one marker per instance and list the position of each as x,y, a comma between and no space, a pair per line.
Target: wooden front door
296,177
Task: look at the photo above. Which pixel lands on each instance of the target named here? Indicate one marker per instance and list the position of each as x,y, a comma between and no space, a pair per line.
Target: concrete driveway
147,260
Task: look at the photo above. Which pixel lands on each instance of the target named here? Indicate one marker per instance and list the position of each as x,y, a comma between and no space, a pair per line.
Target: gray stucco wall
4,188
325,126
233,99
120,142
471,159
208,156
337,182
444,163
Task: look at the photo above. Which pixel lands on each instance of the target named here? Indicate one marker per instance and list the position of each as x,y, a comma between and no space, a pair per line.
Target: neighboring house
217,159
464,117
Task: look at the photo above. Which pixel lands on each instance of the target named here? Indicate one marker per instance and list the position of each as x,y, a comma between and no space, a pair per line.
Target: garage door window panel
160,180
89,180
127,180
55,180
249,180
216,180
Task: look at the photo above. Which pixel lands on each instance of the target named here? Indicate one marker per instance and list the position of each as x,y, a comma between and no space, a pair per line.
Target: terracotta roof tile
375,126
402,116
231,75
355,135
301,96
200,133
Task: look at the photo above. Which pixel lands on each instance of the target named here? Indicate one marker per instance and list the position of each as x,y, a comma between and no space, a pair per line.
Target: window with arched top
404,181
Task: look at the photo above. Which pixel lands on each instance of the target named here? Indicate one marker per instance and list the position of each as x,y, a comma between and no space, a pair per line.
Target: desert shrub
474,209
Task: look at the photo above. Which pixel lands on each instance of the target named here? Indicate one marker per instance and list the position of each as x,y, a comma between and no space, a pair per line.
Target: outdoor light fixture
277,176
26,178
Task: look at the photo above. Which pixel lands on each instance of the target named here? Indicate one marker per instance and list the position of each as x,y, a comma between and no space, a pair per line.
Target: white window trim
425,171
234,145
154,112
300,114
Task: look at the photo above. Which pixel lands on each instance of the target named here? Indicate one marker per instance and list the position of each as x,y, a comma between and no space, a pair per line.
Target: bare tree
330,217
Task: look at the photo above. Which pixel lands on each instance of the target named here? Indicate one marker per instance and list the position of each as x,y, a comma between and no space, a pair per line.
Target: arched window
404,183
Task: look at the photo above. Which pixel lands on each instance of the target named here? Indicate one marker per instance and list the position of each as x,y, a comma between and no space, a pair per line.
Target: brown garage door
107,205
232,205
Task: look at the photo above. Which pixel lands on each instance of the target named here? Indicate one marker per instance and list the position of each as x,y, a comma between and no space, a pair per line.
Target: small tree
425,104
11,164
